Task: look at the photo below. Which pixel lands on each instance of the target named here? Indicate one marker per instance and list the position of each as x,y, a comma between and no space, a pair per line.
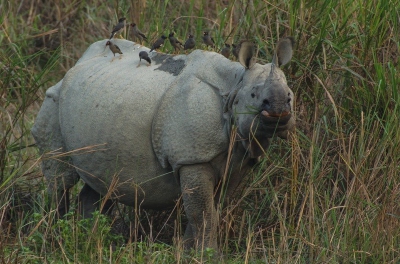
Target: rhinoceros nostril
265,102
253,95
289,99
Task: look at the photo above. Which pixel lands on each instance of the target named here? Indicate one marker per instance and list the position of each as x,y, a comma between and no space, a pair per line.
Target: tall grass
331,194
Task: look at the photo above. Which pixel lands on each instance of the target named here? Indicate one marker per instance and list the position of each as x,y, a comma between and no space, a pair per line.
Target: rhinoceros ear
247,54
284,51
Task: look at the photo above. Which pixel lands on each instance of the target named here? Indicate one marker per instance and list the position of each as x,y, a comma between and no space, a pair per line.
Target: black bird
174,42
235,51
207,39
159,42
226,51
190,43
118,27
114,48
144,55
137,33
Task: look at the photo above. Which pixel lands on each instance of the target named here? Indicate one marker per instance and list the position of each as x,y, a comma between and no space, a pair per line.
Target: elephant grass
330,194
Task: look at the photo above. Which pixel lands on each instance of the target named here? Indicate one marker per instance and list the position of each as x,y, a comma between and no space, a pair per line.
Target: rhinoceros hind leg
90,201
197,184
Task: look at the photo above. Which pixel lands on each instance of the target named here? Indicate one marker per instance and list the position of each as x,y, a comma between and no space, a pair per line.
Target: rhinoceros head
263,105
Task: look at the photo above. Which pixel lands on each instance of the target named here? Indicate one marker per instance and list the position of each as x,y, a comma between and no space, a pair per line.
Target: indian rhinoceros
150,135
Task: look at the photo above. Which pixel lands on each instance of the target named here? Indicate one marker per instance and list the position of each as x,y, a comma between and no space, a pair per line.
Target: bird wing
118,49
118,27
141,34
160,42
157,44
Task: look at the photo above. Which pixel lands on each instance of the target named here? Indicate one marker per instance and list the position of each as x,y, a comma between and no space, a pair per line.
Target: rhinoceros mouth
267,114
275,120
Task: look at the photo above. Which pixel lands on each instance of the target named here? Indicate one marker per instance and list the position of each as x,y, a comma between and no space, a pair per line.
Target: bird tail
151,50
143,36
112,35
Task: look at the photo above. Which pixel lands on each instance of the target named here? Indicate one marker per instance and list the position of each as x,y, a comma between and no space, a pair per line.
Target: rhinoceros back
106,112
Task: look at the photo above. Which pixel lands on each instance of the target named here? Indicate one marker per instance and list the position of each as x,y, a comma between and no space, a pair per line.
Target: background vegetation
331,194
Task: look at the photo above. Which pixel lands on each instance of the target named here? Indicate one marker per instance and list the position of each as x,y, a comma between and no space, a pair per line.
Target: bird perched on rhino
226,51
118,27
207,39
114,49
176,44
235,50
144,55
137,33
190,43
159,43
284,51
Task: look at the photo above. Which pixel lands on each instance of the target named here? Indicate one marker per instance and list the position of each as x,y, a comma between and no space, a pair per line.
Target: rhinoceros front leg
197,184
60,178
90,201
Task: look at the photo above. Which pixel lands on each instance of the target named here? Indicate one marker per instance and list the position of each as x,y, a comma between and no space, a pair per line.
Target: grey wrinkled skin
153,135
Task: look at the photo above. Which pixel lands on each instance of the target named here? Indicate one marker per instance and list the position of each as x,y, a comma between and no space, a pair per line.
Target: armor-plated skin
151,135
